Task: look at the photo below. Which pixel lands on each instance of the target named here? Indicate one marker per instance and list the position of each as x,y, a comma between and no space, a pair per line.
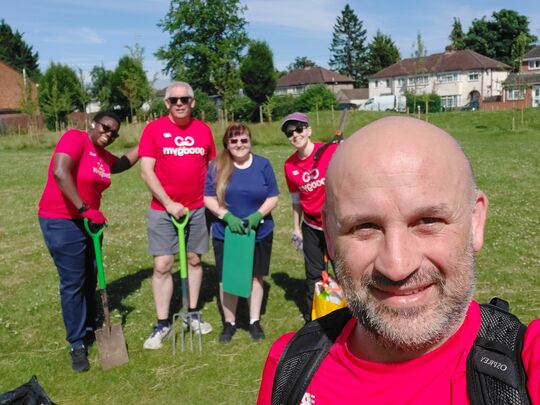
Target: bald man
403,219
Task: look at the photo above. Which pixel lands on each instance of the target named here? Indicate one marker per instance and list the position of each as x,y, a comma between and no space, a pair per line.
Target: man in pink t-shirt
305,178
403,218
175,151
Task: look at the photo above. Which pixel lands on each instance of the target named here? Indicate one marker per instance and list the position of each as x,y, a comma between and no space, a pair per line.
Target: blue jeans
73,253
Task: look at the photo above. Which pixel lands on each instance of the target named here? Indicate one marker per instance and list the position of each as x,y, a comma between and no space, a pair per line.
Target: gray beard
411,329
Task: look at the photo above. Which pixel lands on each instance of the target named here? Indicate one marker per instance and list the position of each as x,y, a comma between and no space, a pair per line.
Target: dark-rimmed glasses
234,141
107,129
298,129
183,100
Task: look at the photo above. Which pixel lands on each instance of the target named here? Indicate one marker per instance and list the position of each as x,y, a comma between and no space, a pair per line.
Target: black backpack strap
495,373
303,355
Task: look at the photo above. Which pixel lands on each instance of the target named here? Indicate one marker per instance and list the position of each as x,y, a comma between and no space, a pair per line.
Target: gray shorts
162,236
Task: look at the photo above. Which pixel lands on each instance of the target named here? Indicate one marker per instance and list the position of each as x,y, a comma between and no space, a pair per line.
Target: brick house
298,80
12,85
458,77
522,89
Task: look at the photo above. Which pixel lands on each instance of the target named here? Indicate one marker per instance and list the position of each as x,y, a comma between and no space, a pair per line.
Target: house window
376,83
473,76
515,94
401,82
450,101
534,64
447,77
387,83
418,80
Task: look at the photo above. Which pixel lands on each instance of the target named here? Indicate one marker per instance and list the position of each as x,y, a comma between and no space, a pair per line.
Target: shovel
178,317
110,338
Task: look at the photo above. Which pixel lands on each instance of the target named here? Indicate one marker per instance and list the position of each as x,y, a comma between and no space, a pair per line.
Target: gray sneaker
159,334
195,325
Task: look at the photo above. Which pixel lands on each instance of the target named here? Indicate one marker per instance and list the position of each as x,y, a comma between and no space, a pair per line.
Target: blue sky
83,34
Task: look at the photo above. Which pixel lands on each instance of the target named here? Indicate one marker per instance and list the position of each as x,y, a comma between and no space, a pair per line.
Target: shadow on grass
121,288
295,290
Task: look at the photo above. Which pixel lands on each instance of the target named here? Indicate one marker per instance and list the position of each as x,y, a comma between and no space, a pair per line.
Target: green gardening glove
254,219
234,223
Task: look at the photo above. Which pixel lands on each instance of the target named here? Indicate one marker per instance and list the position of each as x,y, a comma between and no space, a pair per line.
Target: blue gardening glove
234,223
254,219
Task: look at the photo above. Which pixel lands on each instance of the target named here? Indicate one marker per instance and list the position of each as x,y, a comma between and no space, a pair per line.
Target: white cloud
90,36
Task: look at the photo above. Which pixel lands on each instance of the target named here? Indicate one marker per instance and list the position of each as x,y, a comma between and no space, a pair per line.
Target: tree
316,97
60,93
457,36
16,52
257,72
130,86
300,62
349,53
382,53
206,39
101,86
496,38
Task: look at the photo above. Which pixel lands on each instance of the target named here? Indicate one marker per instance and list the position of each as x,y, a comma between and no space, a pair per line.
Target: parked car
384,103
471,106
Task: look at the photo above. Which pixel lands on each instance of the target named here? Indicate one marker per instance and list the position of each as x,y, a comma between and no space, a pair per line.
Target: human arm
297,215
154,185
127,160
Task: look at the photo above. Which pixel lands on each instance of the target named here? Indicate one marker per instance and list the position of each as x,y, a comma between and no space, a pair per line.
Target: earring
93,125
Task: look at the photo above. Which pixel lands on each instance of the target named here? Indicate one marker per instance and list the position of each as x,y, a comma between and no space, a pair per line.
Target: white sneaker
159,334
195,325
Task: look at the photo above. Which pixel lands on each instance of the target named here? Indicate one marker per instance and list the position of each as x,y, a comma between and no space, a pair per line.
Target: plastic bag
327,297
30,393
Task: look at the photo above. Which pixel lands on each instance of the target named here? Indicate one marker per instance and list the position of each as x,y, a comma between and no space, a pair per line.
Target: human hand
297,240
254,219
175,209
234,223
94,216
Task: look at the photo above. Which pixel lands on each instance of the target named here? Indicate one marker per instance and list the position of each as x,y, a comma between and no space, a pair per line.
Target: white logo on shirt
93,154
295,172
187,141
311,175
167,135
307,399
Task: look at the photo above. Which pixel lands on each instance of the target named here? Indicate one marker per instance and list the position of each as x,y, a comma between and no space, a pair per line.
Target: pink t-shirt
91,172
438,377
307,177
182,155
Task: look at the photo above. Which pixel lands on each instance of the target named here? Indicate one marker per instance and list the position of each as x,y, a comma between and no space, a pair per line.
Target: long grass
32,333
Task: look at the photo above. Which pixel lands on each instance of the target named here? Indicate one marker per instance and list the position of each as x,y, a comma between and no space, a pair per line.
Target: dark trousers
314,246
73,254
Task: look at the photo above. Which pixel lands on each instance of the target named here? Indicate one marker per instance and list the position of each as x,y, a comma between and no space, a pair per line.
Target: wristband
84,207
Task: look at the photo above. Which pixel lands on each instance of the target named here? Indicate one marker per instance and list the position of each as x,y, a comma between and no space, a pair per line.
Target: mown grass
506,163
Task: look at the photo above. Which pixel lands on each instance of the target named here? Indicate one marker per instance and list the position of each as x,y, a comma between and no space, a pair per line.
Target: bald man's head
402,220
398,143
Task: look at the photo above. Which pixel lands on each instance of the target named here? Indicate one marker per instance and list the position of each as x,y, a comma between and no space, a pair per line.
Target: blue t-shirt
247,190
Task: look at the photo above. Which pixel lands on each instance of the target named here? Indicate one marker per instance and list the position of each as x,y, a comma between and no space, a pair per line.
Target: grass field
507,167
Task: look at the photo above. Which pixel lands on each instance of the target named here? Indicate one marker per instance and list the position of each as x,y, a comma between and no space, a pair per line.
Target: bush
283,105
205,108
316,97
243,109
413,101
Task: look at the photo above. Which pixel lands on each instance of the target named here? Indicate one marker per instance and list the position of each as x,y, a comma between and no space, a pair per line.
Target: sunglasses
183,100
107,129
234,141
298,129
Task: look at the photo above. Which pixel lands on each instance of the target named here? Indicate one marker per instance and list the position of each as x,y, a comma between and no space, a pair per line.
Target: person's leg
69,247
162,245
256,298
162,284
196,244
314,248
261,268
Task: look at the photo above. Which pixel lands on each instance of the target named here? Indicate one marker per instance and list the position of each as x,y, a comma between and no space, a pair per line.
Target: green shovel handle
97,249
180,226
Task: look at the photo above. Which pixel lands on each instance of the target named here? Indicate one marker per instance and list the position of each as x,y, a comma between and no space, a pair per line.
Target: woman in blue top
241,187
